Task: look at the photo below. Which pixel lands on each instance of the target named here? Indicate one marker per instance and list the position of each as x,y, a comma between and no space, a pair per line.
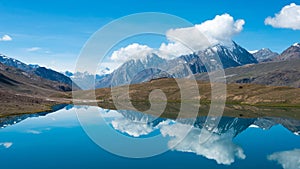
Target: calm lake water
57,140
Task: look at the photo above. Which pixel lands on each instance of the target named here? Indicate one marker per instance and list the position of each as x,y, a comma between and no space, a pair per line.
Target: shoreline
171,111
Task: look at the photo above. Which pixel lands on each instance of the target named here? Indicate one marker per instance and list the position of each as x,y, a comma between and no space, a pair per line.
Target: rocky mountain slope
24,92
37,70
284,73
291,53
264,54
150,67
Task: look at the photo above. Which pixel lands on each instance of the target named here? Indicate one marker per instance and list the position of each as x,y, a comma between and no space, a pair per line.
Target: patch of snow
215,49
253,126
296,44
253,51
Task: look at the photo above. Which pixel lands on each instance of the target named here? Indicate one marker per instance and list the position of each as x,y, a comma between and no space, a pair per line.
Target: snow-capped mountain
264,54
230,56
85,79
225,125
267,122
234,55
291,53
16,63
36,70
150,67
137,70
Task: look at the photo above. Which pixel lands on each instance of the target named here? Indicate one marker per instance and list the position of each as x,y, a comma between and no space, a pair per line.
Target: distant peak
1,55
296,44
266,49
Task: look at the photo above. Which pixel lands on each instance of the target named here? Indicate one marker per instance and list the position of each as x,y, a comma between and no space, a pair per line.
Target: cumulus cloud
135,125
288,159
182,41
173,50
132,123
288,17
132,128
219,30
6,144
33,49
133,51
5,38
218,147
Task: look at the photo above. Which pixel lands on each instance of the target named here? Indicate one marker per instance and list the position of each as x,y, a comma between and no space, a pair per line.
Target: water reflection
137,124
287,159
6,145
14,119
221,146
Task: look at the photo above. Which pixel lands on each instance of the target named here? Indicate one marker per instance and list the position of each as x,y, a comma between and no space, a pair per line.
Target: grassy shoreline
258,96
172,109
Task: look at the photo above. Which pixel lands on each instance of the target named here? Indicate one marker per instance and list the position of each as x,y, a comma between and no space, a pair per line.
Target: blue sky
52,33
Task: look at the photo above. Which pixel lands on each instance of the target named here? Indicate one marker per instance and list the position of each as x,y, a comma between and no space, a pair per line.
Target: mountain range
261,67
280,70
150,67
37,70
34,86
30,88
265,67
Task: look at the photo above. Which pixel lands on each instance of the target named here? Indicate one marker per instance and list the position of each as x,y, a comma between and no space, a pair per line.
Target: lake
58,140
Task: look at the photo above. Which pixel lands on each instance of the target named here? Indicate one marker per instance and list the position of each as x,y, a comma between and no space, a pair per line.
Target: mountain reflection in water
227,143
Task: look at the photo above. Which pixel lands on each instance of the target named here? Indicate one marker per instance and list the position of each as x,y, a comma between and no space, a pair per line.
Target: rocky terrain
239,94
22,92
292,53
153,66
37,70
264,55
284,73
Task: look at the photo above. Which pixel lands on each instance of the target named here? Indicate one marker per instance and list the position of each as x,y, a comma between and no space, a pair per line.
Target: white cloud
173,50
5,38
288,159
221,29
133,51
33,132
39,131
218,147
288,17
6,144
33,49
183,41
135,126
132,128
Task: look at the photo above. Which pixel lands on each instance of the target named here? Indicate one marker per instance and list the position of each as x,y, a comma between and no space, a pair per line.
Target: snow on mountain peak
253,51
296,44
3,56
